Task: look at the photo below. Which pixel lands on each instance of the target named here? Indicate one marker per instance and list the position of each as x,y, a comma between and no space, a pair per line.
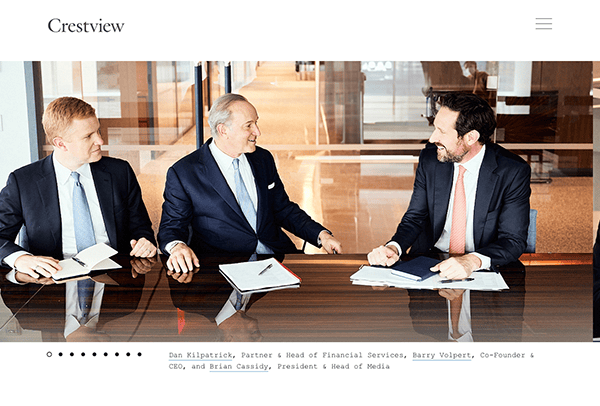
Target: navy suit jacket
197,198
30,198
501,216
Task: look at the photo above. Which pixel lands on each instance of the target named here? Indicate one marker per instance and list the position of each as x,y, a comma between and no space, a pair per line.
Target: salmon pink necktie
458,231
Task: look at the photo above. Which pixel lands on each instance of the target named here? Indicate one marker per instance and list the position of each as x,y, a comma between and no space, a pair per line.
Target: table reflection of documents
210,296
472,315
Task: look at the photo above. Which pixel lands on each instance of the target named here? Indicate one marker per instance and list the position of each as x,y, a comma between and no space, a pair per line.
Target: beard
443,155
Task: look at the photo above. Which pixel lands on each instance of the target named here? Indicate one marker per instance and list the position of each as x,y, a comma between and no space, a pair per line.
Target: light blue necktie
85,295
246,205
238,301
84,238
84,230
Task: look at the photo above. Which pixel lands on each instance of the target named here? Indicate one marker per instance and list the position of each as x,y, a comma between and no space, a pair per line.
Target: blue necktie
85,295
84,230
246,205
238,301
84,238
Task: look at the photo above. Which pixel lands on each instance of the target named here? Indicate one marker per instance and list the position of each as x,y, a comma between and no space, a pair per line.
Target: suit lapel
104,190
486,184
443,187
48,190
211,172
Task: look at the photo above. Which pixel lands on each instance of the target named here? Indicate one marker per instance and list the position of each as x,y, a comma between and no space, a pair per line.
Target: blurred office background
345,135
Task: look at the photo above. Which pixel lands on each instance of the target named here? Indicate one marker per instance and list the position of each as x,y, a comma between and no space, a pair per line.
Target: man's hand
141,266
25,278
458,267
451,294
182,259
36,266
383,255
330,243
142,248
183,277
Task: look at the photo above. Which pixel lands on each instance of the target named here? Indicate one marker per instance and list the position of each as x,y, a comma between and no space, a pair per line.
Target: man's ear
471,137
222,130
59,143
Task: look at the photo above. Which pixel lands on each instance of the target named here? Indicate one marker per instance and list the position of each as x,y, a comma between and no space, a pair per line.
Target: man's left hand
142,248
458,267
330,243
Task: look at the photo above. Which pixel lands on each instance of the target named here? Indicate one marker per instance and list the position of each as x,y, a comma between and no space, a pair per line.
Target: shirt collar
63,174
223,160
474,163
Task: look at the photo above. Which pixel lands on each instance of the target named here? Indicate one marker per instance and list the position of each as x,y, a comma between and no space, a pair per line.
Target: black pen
266,269
457,280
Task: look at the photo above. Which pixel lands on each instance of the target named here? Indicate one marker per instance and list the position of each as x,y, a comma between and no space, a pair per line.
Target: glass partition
346,134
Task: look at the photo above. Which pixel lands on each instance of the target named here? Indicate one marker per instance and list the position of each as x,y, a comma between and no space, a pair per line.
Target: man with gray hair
227,197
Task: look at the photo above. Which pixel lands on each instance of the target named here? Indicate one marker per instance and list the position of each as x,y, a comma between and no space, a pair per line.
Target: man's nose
434,137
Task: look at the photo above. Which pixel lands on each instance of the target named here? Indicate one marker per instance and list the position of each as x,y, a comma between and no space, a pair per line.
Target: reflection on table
549,299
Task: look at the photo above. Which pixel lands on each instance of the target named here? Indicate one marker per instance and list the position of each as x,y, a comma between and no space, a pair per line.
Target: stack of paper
259,276
94,258
378,276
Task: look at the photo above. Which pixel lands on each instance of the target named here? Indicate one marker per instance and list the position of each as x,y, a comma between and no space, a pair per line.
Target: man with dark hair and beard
470,196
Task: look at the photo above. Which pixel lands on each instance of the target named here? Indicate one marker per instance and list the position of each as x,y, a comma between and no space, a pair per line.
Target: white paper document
259,276
94,258
374,276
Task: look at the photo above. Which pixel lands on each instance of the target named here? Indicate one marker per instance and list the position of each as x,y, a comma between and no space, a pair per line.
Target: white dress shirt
225,163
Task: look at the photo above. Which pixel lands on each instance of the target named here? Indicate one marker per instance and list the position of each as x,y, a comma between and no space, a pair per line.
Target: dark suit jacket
501,215
30,198
197,195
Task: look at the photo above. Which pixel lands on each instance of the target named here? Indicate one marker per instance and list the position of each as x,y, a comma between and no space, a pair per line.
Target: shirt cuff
395,244
172,244
486,262
11,276
10,259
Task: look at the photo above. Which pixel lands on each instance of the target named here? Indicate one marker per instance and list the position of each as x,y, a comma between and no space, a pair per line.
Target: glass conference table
549,299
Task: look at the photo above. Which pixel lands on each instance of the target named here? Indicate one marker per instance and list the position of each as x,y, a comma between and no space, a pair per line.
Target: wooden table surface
550,299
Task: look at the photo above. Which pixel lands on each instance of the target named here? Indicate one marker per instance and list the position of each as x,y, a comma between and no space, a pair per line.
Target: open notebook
94,258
